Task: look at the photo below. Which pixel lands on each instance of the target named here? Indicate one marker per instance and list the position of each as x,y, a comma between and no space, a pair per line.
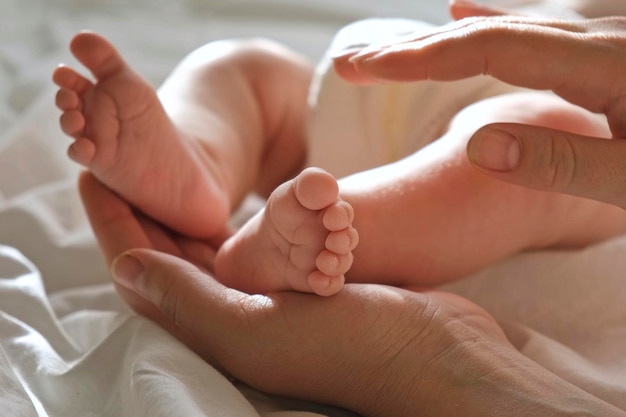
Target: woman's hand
582,61
118,228
376,350
348,349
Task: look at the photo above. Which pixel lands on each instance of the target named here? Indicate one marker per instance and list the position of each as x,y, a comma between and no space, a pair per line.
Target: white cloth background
69,346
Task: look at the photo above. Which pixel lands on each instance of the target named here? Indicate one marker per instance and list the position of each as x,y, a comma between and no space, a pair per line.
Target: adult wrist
488,378
465,371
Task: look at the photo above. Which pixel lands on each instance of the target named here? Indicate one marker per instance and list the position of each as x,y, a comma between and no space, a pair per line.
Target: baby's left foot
302,240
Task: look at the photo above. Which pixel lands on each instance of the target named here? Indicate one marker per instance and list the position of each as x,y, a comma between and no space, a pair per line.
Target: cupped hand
376,350
118,227
580,60
369,348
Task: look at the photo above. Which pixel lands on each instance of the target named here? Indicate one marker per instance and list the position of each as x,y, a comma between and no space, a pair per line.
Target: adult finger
322,349
210,318
461,9
109,215
117,229
198,304
257,338
552,160
181,291
581,61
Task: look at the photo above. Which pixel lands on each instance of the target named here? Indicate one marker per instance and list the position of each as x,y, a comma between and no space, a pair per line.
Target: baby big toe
315,188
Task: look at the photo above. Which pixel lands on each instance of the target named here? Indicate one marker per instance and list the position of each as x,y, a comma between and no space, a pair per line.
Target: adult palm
373,349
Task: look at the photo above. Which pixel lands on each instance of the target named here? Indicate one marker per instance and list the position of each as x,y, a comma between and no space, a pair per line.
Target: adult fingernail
365,54
468,3
345,53
126,270
495,150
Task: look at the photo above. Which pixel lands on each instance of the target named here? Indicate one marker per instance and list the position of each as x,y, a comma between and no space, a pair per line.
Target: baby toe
332,264
325,285
67,100
82,151
66,77
338,216
72,123
342,241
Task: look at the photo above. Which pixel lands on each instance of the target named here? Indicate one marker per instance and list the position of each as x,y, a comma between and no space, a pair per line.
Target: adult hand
376,350
581,61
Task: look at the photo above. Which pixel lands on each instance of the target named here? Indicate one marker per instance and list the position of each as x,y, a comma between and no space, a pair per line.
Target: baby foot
124,137
302,240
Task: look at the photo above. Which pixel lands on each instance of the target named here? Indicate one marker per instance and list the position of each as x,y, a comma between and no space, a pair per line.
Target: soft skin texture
230,120
305,226
395,352
182,154
432,217
568,63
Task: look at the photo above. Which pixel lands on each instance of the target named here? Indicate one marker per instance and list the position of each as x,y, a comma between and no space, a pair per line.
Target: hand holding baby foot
302,240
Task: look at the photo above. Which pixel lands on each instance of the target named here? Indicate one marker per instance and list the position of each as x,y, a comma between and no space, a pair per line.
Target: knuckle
169,302
558,163
615,108
609,24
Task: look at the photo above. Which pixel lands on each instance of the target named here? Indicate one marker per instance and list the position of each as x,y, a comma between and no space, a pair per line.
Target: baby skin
304,227
304,238
231,120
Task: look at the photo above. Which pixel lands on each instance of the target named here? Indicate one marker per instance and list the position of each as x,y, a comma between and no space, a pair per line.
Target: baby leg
302,240
187,155
431,217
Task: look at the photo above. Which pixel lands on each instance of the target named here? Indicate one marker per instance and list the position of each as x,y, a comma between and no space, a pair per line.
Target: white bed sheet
69,346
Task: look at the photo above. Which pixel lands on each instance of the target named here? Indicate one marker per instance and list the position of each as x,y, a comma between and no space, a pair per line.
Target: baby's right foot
302,241
124,137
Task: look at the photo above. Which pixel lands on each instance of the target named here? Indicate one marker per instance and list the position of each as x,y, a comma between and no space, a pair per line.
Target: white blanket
70,347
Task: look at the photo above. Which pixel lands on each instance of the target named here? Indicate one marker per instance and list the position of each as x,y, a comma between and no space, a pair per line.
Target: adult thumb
187,299
552,160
